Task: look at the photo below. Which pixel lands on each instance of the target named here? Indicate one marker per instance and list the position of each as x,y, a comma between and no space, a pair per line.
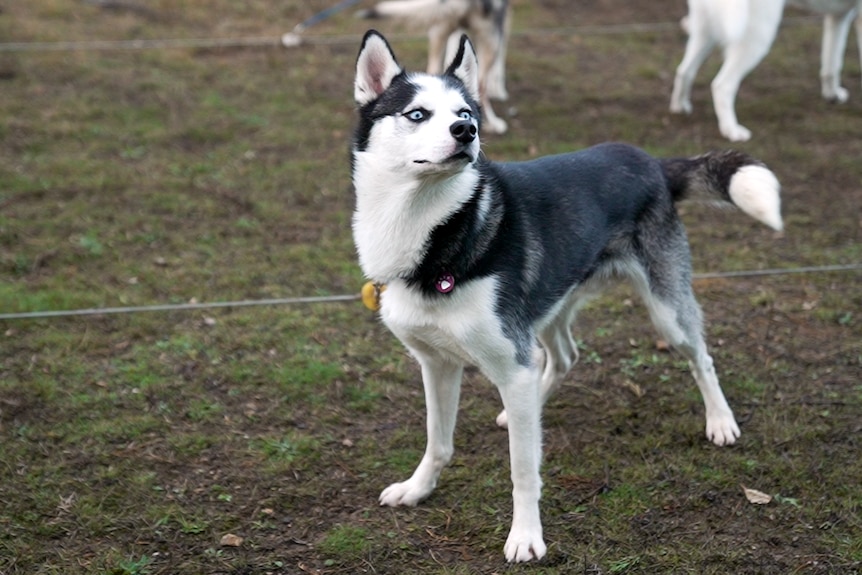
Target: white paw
681,106
524,545
837,94
736,133
497,92
406,493
503,420
495,125
722,429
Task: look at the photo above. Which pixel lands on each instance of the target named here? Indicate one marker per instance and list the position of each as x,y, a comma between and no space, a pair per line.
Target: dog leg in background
442,382
702,39
746,30
440,38
836,28
487,49
740,58
491,50
496,82
559,353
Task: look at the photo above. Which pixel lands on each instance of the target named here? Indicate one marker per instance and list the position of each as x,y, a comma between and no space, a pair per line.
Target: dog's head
421,123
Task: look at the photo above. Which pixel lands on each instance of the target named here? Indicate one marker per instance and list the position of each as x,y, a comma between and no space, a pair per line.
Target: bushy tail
727,176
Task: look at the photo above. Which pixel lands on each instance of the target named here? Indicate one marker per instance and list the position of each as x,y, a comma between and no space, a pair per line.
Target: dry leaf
755,496
231,540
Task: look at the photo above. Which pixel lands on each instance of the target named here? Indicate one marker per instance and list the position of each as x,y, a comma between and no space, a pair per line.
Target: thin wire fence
336,39
49,314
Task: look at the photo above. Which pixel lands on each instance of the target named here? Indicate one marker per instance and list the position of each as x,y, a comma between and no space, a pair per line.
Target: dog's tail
727,176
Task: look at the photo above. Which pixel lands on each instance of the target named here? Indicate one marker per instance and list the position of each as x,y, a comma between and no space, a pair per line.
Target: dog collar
372,291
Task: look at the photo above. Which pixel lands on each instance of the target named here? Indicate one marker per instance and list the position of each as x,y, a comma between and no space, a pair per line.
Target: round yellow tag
371,295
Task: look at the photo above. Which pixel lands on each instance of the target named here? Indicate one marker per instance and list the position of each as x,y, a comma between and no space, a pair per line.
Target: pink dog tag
445,283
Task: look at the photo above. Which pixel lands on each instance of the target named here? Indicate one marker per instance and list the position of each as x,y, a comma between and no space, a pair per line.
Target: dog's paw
406,493
837,94
722,429
495,125
503,420
681,106
524,545
736,133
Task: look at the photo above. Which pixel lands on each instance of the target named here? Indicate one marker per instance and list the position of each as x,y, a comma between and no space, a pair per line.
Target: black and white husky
745,30
487,263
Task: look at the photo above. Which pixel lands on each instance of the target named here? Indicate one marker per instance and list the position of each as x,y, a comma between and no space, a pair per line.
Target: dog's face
417,123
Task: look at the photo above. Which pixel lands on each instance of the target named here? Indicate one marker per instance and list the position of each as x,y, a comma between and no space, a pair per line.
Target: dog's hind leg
677,317
559,354
741,57
835,30
698,47
496,83
439,54
442,381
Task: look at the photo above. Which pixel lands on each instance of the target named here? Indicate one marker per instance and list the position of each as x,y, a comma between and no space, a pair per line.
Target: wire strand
355,297
332,39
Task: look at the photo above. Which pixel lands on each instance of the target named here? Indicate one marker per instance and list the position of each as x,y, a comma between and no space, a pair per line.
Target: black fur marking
562,216
393,101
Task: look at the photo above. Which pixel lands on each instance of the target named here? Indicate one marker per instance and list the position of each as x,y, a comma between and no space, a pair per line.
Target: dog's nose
464,131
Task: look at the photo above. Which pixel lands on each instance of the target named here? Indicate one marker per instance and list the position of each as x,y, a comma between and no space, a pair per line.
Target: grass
131,444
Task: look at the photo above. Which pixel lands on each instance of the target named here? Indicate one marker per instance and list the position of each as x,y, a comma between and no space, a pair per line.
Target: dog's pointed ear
465,67
375,68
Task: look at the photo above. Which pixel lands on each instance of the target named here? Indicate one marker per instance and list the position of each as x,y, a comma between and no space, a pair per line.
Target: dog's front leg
442,382
521,398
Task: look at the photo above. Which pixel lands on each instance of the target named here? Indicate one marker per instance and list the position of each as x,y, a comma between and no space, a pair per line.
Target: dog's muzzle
464,131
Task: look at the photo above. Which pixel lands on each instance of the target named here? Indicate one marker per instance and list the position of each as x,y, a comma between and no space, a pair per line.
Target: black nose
463,130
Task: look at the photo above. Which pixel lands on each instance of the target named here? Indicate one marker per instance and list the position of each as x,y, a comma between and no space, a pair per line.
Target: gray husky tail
727,176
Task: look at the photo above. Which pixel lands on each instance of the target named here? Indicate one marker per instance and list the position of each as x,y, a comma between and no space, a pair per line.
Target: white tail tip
756,191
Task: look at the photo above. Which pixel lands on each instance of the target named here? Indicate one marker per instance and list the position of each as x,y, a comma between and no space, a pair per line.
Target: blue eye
465,115
416,115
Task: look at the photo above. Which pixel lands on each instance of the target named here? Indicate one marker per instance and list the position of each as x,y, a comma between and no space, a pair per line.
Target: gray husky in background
745,30
487,263
487,22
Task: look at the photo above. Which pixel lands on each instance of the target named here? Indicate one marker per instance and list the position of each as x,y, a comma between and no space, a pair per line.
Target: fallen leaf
755,496
231,540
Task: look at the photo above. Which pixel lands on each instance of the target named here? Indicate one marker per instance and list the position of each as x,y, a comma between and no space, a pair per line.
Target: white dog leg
438,39
835,31
740,57
521,398
699,45
859,32
680,324
442,382
738,62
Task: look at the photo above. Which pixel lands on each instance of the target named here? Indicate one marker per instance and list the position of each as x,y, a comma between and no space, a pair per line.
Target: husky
487,263
488,22
745,29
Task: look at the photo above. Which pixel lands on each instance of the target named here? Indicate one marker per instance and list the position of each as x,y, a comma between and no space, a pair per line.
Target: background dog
487,22
487,263
745,29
